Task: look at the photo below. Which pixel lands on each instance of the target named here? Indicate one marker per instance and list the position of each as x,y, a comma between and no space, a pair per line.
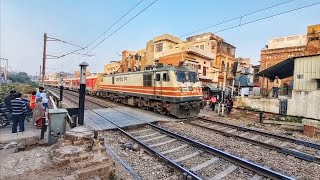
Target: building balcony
199,52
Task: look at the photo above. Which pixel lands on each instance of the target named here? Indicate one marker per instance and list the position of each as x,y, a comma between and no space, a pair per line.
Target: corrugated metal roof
285,68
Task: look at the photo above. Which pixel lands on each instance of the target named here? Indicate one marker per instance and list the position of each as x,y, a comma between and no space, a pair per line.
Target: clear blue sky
81,21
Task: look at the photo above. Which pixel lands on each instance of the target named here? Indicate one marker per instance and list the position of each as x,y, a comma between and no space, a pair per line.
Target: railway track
298,148
193,159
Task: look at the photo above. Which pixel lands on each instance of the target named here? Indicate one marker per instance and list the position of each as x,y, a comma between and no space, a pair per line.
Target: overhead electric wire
55,39
239,17
124,15
241,24
248,14
267,17
122,25
112,25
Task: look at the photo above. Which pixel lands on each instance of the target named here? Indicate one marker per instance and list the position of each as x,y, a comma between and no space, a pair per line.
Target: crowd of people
209,103
20,109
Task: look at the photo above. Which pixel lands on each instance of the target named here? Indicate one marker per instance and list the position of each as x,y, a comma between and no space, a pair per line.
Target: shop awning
212,87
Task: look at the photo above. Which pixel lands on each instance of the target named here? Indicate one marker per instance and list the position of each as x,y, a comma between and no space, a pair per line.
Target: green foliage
294,119
21,77
25,89
4,91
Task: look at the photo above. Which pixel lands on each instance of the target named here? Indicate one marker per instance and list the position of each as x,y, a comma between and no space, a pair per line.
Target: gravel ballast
287,165
143,164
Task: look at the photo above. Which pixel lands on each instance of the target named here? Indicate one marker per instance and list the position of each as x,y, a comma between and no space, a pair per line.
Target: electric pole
5,68
40,75
224,84
44,56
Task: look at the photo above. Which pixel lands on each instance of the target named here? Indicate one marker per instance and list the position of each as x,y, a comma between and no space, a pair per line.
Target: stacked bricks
84,155
309,127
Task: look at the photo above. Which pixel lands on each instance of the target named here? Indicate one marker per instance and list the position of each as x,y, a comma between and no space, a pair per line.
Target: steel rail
296,141
241,162
149,149
284,150
153,151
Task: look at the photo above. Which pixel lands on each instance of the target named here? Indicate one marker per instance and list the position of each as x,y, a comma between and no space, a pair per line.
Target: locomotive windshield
193,77
183,76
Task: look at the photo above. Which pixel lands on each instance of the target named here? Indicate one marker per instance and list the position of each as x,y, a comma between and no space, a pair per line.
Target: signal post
82,92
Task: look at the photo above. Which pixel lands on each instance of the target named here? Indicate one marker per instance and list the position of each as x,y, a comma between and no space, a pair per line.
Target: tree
21,77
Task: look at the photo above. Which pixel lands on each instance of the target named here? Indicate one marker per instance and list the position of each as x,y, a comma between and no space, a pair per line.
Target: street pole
239,94
5,69
44,56
82,92
232,90
40,75
61,86
224,84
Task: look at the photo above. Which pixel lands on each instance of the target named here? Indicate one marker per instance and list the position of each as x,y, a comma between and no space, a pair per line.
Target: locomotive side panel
159,90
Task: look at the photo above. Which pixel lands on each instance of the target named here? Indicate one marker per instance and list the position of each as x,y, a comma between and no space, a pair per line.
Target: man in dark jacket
7,102
19,111
7,99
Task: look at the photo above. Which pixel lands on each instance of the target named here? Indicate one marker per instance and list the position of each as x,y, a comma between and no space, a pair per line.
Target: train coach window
147,80
165,77
157,77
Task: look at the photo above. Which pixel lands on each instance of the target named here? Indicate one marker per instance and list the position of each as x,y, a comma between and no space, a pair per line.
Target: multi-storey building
245,73
206,53
223,52
170,50
131,60
112,67
279,49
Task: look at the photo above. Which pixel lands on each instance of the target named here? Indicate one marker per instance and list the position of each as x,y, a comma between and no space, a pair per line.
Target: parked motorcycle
5,116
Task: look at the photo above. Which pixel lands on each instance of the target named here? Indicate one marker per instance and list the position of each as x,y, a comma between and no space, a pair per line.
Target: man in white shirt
44,97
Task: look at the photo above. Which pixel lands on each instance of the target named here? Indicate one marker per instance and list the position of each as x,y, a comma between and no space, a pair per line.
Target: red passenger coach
90,84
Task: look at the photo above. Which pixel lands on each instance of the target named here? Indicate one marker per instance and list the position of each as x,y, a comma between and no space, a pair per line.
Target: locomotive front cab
190,93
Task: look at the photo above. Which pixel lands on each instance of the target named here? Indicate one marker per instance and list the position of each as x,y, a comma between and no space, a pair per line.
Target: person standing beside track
19,111
43,95
213,102
7,102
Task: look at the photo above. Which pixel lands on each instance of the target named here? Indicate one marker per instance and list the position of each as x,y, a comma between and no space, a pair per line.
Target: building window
204,62
222,66
227,67
165,77
197,46
199,67
157,77
318,84
159,47
204,71
202,47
